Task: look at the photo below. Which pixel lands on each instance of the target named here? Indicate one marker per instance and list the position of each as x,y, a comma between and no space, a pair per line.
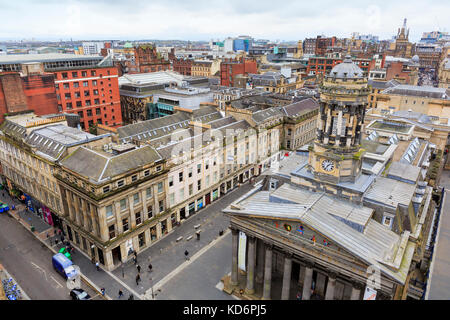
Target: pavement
28,260
167,254
438,287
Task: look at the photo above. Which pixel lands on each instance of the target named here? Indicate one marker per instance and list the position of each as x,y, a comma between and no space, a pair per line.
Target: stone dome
346,69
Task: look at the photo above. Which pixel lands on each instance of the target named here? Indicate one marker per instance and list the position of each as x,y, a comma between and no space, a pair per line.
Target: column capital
309,264
268,246
332,275
358,285
251,238
234,230
288,255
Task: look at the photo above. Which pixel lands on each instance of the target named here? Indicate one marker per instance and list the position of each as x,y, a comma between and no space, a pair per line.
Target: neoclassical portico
314,281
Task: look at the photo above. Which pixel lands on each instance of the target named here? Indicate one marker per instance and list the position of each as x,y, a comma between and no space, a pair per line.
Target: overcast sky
212,19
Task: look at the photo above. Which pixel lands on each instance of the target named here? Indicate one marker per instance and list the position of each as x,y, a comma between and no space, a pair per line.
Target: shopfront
191,208
215,194
199,203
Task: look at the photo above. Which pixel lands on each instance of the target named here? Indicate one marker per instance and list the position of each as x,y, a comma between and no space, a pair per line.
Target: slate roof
295,109
390,192
382,84
267,114
419,91
98,166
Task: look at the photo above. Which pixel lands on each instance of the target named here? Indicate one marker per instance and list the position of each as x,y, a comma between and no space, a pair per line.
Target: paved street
201,278
439,279
29,262
167,254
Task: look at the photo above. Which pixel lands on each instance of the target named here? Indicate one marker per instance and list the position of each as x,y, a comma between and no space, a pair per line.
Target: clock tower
336,155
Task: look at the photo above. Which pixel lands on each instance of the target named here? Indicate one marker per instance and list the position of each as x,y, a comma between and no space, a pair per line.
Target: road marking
39,268
220,286
59,285
177,270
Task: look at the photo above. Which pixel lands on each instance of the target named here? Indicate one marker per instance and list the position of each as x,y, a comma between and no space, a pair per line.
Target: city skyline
202,21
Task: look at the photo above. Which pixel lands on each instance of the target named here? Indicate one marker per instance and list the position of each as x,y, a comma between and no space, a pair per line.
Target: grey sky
207,19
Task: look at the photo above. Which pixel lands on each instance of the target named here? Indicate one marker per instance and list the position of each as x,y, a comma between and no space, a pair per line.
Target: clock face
327,165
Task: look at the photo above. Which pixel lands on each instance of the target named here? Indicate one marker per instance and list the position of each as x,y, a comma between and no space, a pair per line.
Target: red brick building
322,45
31,92
229,69
182,66
84,85
92,93
323,65
146,59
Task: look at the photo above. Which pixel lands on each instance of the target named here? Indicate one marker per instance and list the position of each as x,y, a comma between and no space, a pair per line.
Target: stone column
267,273
320,285
356,291
286,276
329,295
306,294
250,287
259,261
234,261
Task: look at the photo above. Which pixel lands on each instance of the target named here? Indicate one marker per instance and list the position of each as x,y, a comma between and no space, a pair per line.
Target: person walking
150,267
138,278
131,297
103,291
135,260
120,293
186,254
138,267
97,265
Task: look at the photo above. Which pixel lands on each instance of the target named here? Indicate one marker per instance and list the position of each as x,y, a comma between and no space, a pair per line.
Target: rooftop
46,57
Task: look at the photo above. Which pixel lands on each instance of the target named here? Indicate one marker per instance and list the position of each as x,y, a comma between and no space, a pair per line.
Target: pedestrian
97,265
62,238
138,278
150,267
93,260
135,260
103,291
56,241
138,267
131,297
186,253
135,253
120,293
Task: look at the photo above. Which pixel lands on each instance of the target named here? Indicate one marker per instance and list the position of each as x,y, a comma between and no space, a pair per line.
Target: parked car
79,294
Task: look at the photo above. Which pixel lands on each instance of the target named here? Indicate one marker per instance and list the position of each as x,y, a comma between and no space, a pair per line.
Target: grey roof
100,166
346,69
153,128
419,91
382,84
297,108
346,224
267,114
390,192
404,172
48,57
417,116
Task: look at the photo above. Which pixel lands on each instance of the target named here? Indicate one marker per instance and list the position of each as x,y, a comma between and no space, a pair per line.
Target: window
207,180
79,105
69,105
199,185
199,168
141,238
64,75
206,164
133,178
160,187
89,112
170,181
190,173
97,110
120,183
95,92
146,173
161,206
125,224
109,211
77,94
191,189
106,189
180,176
158,168
138,218
150,211
93,73
136,198
68,96
66,86
123,204
84,74
85,84
88,102
76,85
171,199
75,74
112,231
149,192
181,193
86,93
